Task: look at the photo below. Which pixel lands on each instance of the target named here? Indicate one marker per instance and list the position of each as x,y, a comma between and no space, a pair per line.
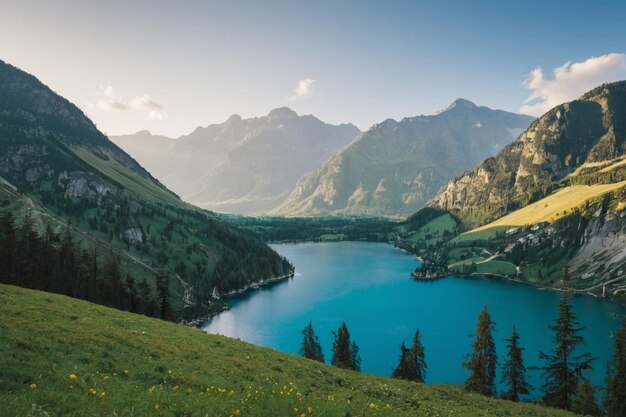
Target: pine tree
345,352
402,371
616,379
585,400
483,360
563,369
514,371
163,293
311,347
417,359
411,365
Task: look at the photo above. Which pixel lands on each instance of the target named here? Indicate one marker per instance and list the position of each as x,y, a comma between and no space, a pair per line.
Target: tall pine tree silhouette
483,360
616,380
563,367
412,364
310,347
514,371
345,351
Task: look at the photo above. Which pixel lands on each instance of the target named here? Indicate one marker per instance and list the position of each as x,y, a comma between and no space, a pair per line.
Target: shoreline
257,285
496,277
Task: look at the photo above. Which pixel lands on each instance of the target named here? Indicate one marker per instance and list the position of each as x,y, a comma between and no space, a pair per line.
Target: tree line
59,263
564,384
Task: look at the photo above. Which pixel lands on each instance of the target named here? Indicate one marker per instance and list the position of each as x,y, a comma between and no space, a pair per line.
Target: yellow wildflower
125,371
295,410
302,415
33,386
92,391
373,406
236,412
310,409
102,394
331,397
157,406
72,376
152,388
106,378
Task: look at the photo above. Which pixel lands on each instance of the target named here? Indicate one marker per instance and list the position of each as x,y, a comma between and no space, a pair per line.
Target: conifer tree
417,357
514,371
310,347
402,371
411,365
585,401
616,380
345,352
483,360
563,368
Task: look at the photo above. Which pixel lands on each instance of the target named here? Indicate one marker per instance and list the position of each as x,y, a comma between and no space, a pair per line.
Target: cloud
304,88
144,104
570,81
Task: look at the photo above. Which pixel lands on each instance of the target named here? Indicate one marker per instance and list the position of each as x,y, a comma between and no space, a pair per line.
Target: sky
170,66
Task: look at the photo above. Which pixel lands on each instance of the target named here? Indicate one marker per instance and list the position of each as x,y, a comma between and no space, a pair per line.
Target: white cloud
570,81
304,88
144,104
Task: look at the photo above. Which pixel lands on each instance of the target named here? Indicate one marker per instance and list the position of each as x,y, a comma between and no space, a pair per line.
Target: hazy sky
169,66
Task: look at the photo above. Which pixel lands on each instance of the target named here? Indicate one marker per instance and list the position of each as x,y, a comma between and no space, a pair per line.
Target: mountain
244,166
554,198
394,168
579,134
100,210
65,357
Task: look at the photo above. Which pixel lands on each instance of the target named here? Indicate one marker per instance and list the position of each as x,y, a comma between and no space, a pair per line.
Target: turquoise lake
367,285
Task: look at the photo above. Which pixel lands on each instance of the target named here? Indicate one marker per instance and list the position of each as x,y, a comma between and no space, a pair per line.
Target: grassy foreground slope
66,357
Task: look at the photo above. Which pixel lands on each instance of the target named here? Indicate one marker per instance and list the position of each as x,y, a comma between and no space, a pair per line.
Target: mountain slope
64,357
242,165
59,169
578,134
394,168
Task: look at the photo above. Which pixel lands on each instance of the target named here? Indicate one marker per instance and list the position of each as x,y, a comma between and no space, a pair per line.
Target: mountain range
581,133
245,166
395,167
554,198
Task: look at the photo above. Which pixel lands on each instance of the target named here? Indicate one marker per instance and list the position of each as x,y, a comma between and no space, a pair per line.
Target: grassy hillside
66,357
550,208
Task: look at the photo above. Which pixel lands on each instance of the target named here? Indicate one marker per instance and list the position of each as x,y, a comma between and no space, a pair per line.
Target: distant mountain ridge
245,166
572,135
394,167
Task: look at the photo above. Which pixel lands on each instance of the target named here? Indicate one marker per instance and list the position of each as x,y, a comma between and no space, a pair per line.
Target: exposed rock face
394,168
587,130
601,257
27,162
133,235
79,184
242,165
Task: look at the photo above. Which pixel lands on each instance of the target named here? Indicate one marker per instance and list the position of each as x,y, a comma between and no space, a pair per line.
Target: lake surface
367,285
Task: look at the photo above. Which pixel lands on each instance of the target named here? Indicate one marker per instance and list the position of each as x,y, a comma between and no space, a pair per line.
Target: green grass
432,232
129,365
137,186
496,267
554,206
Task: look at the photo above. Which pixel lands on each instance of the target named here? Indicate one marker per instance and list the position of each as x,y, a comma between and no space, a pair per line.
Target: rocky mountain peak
281,113
461,103
235,118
